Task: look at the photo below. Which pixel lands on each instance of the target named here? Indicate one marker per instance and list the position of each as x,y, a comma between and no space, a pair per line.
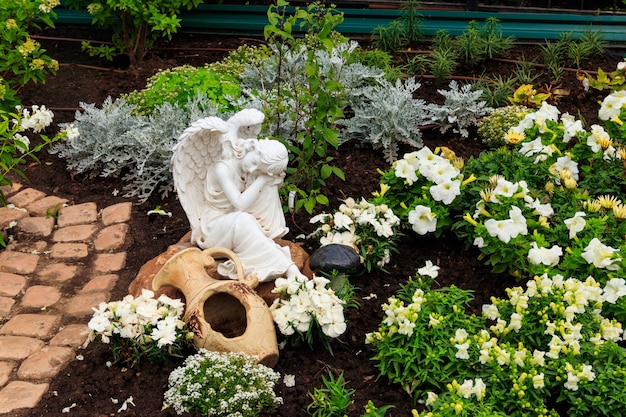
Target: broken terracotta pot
224,315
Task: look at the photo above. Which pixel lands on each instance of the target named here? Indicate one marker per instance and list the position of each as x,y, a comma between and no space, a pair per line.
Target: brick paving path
49,284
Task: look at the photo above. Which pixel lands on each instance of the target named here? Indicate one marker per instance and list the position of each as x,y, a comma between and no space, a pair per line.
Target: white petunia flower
571,127
502,229
429,269
545,256
575,224
614,289
423,220
403,169
598,135
601,256
610,107
446,191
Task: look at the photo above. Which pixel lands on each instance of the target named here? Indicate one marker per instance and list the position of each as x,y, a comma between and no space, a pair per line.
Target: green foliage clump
493,127
23,58
178,85
236,61
479,42
332,400
509,362
137,24
400,32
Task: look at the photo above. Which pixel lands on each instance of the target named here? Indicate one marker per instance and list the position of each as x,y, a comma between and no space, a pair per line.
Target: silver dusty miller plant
461,109
386,115
114,142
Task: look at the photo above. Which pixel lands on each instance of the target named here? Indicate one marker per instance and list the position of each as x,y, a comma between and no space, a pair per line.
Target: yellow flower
468,218
53,64
592,206
11,24
27,47
37,64
619,211
604,142
471,178
384,188
570,183
513,137
486,194
616,119
608,201
447,153
493,180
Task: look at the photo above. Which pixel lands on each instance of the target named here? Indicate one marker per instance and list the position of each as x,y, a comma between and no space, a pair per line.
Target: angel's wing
198,147
246,124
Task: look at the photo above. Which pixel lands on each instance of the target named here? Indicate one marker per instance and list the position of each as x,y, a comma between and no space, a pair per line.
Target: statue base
152,267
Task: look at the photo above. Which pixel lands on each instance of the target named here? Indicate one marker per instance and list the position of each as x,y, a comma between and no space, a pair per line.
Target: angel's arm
240,200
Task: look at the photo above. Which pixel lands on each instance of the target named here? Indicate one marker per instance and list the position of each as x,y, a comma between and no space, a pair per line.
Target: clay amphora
224,315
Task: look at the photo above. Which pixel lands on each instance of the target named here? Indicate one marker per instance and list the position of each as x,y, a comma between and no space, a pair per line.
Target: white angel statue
227,182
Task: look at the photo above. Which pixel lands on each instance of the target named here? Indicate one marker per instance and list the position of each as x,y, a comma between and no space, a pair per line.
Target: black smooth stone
334,257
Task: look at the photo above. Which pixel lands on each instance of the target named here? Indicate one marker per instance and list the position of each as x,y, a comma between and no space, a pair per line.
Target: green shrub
492,128
178,85
136,24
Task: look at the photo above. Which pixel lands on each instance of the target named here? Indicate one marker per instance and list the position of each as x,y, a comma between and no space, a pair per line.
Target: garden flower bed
91,385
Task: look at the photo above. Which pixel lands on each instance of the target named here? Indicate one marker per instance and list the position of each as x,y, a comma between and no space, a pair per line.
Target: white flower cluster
612,105
346,225
46,6
610,110
446,178
143,319
306,300
222,384
38,120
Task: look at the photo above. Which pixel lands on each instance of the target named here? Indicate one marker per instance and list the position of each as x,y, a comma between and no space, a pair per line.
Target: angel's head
268,156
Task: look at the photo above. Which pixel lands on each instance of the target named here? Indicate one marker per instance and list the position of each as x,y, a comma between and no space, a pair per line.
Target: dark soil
92,386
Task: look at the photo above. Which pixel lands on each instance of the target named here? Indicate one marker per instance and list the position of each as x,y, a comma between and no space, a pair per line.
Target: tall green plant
23,60
136,24
319,97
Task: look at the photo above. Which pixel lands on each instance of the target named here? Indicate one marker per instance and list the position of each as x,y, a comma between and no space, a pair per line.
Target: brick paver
40,296
50,284
42,226
58,272
47,206
80,214
31,325
111,238
46,363
5,372
69,251
11,284
26,197
117,213
21,394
